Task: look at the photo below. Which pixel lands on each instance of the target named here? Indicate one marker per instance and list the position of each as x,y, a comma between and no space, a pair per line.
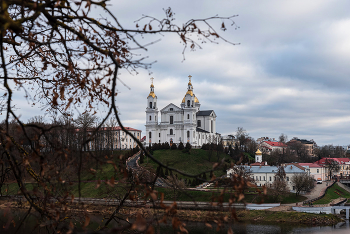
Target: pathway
133,164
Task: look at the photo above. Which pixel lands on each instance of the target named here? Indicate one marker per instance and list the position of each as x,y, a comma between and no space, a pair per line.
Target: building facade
186,123
112,138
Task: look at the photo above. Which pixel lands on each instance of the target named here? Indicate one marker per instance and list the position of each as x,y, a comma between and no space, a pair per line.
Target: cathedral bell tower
151,116
190,106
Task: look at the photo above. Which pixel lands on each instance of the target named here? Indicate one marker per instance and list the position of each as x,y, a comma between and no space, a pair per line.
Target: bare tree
332,167
302,182
242,136
71,60
279,186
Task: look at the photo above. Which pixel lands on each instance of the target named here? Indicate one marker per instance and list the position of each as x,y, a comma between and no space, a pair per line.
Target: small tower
258,156
151,116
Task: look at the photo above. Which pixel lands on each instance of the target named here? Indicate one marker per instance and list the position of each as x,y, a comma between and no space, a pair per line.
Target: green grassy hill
193,163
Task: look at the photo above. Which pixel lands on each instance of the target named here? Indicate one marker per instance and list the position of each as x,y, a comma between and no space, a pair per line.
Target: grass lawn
189,195
194,163
90,190
333,192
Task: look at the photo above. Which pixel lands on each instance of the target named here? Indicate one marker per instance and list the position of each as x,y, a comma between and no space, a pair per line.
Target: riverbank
240,215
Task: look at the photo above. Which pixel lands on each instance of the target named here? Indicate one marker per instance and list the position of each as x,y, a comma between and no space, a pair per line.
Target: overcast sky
290,73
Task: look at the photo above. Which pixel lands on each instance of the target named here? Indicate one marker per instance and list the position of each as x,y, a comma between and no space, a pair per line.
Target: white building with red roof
316,171
267,147
344,164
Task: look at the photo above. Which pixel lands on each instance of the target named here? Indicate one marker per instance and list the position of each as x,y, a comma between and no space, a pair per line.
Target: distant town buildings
111,138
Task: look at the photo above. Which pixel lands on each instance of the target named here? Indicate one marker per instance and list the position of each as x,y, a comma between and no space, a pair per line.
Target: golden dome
190,92
258,152
152,86
152,94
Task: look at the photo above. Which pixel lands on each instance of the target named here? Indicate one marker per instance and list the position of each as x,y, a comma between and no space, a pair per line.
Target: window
259,177
171,132
159,134
130,140
188,103
154,105
199,123
171,119
138,134
188,116
150,135
188,134
211,122
192,103
171,109
150,118
150,104
287,178
318,170
270,178
264,178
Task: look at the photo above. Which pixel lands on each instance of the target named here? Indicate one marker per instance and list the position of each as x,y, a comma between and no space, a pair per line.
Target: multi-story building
267,147
110,138
315,170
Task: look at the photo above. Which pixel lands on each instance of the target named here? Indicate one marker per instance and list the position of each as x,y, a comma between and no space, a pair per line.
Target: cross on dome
190,77
152,79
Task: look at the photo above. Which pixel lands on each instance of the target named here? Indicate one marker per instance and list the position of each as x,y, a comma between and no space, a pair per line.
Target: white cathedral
180,124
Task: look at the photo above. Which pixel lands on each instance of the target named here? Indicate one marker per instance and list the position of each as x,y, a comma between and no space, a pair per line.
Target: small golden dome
190,93
152,94
152,86
258,152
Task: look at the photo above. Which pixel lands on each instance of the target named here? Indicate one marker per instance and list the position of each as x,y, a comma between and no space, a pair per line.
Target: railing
340,203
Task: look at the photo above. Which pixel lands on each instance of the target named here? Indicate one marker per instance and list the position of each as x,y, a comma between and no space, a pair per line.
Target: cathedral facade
186,123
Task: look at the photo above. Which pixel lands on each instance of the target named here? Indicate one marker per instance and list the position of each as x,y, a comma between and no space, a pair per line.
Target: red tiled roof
338,160
259,164
275,143
309,165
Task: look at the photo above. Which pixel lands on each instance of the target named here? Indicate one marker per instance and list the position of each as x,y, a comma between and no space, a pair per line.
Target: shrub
173,146
181,146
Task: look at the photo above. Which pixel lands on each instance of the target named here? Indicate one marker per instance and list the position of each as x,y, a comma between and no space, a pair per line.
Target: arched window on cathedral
150,135
150,105
171,119
171,132
192,103
188,103
188,116
199,123
188,134
150,118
